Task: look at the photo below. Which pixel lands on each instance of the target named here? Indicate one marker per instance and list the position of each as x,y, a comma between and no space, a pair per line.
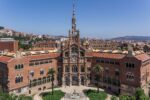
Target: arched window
82,54
82,68
67,68
21,78
18,79
74,68
74,50
66,54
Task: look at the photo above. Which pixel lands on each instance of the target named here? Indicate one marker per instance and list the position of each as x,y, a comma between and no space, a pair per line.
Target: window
74,68
36,63
66,54
74,50
102,61
59,69
88,60
117,72
107,70
130,65
82,69
107,62
117,63
50,61
130,76
19,66
67,68
31,64
97,60
31,73
18,79
40,61
111,62
82,54
41,72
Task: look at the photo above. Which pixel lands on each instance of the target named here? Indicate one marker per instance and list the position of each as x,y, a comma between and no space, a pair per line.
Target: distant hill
135,38
1,27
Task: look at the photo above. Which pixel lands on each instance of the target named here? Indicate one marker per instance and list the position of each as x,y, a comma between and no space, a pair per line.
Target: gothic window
82,54
82,68
130,76
59,69
18,79
67,68
74,50
74,68
66,54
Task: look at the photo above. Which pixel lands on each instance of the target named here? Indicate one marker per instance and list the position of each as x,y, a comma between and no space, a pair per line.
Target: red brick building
8,44
73,63
123,73
45,45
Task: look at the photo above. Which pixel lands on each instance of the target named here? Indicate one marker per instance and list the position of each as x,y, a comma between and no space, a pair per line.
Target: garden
57,95
95,95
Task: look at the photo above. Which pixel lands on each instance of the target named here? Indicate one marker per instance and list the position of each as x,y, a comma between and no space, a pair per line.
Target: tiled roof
105,55
5,59
143,57
42,56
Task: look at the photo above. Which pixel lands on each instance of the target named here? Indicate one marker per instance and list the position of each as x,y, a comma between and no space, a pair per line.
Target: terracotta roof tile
143,57
105,55
5,59
41,56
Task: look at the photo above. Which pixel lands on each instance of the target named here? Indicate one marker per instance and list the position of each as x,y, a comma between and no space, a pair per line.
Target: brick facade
11,46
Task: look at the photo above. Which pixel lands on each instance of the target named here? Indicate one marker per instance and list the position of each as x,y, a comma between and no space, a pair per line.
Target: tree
132,98
51,73
98,70
124,97
139,94
113,98
6,96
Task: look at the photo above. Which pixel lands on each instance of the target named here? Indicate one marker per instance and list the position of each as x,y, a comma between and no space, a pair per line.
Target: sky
95,18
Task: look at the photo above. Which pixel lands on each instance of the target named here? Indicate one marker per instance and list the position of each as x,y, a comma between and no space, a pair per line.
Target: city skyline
102,19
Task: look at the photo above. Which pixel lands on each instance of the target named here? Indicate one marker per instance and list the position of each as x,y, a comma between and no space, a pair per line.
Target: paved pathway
68,89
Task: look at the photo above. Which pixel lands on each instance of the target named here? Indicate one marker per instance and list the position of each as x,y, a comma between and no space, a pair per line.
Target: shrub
113,98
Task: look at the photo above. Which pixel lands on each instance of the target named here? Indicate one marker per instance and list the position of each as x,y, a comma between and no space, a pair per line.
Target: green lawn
25,98
57,95
94,95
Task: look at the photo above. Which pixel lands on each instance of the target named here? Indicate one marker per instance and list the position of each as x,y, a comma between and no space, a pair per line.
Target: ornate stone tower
74,34
73,54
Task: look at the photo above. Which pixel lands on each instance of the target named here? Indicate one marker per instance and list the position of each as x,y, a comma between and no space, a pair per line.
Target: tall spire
73,7
73,18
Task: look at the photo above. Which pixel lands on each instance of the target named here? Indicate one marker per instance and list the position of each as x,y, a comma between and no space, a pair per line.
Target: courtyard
64,91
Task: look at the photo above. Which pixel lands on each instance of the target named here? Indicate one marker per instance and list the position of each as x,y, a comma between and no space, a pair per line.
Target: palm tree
98,70
51,73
